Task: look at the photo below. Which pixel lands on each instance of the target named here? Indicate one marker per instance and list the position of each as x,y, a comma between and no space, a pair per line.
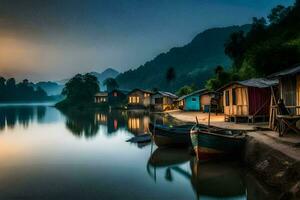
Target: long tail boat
214,142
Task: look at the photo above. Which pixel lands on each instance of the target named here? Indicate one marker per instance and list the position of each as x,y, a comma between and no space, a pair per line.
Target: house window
227,98
134,99
146,95
115,94
194,99
233,96
102,99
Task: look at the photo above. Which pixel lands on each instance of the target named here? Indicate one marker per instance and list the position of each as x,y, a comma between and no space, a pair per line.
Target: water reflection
209,180
81,123
135,122
10,116
46,159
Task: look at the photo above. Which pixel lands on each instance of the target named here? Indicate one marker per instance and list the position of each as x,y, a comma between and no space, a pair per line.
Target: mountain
193,63
52,88
108,73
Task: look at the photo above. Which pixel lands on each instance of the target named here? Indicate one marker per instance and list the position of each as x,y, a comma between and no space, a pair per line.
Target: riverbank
275,160
215,120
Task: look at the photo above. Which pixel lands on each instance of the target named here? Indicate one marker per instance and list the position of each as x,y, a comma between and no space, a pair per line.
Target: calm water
46,154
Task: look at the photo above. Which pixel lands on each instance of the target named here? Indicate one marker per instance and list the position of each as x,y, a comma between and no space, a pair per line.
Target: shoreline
274,160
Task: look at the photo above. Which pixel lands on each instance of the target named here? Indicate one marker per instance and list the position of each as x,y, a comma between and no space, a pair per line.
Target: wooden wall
242,105
288,91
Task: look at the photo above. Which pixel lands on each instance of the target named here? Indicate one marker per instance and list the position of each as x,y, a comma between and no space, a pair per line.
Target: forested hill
271,45
192,63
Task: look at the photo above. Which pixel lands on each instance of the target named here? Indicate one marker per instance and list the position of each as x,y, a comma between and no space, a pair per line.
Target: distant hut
139,99
101,97
289,88
206,101
162,101
248,99
191,102
117,98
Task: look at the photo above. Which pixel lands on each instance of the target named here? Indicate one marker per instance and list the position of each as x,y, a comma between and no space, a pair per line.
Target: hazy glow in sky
55,39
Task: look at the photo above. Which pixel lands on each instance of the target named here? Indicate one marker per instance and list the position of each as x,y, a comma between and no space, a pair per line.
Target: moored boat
171,136
213,142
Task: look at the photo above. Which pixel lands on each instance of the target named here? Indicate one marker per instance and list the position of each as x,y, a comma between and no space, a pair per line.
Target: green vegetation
79,92
265,49
22,91
111,84
186,90
191,63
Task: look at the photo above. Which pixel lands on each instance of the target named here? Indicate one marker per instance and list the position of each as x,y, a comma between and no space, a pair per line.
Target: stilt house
249,99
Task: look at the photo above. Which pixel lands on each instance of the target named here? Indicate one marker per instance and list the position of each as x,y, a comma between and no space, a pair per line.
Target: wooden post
209,115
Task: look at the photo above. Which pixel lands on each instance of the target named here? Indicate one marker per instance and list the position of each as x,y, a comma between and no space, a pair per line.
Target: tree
221,78
40,93
185,90
111,84
235,47
11,83
2,82
81,88
277,14
170,74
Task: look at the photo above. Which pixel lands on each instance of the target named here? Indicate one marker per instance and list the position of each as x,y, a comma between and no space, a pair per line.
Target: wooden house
162,101
206,102
101,97
191,102
249,99
117,98
139,99
289,88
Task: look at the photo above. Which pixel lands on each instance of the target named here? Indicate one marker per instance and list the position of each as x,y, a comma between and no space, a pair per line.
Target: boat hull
207,145
171,137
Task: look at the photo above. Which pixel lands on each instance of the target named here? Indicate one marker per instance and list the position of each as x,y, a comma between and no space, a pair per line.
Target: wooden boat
171,136
213,142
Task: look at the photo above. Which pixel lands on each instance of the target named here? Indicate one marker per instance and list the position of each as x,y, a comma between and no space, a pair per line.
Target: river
47,154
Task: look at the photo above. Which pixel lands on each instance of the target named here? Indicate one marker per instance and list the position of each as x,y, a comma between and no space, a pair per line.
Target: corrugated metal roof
101,94
142,90
168,94
286,72
254,82
258,82
193,93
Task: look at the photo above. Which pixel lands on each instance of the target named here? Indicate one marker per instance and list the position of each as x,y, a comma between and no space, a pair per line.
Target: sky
56,39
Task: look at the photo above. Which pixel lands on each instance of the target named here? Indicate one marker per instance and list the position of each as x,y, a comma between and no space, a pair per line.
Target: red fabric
259,98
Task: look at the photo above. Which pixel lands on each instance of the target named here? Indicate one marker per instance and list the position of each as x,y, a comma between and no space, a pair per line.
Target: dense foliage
186,90
191,63
111,84
270,46
80,90
22,91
